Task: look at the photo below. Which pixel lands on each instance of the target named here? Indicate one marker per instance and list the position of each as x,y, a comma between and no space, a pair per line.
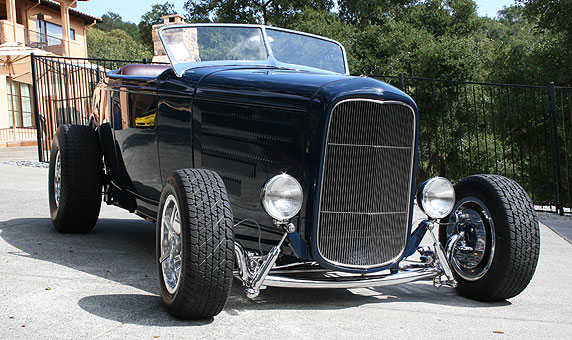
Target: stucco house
42,27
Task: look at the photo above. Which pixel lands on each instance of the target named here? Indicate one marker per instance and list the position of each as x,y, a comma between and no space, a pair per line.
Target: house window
19,104
51,33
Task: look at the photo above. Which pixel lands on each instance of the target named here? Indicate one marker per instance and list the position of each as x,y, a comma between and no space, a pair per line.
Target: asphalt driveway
104,285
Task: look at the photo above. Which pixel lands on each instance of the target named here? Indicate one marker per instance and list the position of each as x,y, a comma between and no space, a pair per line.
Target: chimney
159,54
173,19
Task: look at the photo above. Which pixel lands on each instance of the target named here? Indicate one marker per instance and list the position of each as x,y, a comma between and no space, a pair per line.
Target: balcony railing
43,41
18,134
30,38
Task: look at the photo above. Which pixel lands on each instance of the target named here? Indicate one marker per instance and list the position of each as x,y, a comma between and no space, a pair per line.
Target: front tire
497,256
75,179
195,244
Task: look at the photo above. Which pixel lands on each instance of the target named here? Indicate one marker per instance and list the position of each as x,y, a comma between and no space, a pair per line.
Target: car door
134,113
175,133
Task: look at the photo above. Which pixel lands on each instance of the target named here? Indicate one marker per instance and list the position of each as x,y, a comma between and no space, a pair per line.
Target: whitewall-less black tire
75,179
502,257
195,244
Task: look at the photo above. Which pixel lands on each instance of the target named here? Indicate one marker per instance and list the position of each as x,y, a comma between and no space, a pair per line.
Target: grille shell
367,174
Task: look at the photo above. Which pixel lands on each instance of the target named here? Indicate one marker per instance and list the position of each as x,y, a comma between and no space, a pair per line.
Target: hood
278,88
287,89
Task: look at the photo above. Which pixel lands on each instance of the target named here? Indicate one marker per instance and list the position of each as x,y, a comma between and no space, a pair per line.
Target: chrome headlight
282,197
436,197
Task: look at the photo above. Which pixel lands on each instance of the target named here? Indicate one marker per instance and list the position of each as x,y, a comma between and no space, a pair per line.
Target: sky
132,10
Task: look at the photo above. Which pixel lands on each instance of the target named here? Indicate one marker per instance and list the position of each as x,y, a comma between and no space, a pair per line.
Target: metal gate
62,92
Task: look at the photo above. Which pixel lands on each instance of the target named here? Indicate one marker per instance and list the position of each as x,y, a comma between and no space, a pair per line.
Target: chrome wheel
171,244
471,235
57,179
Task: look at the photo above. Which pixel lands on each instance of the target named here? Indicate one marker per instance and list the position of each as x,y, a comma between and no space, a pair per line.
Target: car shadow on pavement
122,251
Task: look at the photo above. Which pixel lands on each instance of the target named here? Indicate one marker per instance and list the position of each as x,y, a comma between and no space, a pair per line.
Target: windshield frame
180,68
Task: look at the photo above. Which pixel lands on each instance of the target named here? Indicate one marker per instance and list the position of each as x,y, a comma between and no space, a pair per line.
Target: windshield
246,44
195,44
294,48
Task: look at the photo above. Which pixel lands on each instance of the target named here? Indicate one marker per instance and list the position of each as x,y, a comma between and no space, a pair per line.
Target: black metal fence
63,89
519,131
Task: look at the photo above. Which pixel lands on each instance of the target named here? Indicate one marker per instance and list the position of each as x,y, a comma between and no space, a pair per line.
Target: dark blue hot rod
260,158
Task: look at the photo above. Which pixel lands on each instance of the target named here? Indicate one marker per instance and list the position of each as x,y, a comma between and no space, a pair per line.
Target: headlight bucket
436,197
282,197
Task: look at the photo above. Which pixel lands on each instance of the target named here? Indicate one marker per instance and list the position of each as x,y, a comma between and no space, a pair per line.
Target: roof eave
87,18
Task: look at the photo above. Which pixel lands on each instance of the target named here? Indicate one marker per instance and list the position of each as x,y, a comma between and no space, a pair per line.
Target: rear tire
508,234
195,244
75,179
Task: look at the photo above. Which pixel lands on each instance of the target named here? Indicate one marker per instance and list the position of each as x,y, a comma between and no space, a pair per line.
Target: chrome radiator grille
366,183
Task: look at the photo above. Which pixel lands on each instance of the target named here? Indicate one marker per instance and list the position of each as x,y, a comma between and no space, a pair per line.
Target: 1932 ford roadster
260,158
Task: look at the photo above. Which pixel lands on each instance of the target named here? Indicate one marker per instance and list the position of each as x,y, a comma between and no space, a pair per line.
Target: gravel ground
103,285
28,163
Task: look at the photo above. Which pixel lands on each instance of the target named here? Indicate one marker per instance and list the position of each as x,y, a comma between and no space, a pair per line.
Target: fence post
555,147
97,75
36,106
401,81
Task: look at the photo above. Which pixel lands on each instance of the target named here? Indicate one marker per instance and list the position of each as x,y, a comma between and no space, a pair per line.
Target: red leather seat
143,70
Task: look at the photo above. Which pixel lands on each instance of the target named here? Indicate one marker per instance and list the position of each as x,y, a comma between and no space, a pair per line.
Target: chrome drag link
252,278
443,260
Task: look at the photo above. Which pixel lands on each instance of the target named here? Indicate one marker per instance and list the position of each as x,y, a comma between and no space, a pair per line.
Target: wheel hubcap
473,253
58,179
171,244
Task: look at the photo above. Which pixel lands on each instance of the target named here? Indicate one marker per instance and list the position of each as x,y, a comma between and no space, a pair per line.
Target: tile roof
87,18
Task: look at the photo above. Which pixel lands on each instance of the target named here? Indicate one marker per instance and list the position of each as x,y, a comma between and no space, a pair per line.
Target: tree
553,22
113,21
153,17
550,14
110,22
269,12
464,18
513,48
367,12
116,44
456,17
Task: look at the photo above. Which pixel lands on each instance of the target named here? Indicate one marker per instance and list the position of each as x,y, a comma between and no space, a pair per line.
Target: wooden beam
65,17
70,3
11,12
